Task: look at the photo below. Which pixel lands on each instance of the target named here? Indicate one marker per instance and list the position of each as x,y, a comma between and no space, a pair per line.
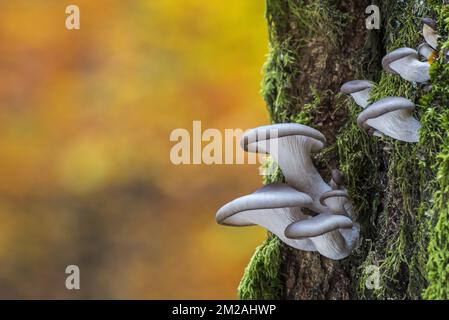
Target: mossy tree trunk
398,195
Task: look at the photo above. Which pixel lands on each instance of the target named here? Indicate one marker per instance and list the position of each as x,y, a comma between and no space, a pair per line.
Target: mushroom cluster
393,116
414,65
306,213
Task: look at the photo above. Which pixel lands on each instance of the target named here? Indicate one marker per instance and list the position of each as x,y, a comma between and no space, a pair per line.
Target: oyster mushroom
427,52
291,147
360,91
392,116
430,32
336,200
274,207
405,62
334,236
337,180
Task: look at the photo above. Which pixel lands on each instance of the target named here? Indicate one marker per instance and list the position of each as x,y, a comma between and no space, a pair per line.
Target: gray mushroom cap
270,196
430,32
338,177
274,207
291,145
355,86
251,139
334,236
392,116
337,201
360,91
426,51
317,226
430,22
382,107
406,63
396,55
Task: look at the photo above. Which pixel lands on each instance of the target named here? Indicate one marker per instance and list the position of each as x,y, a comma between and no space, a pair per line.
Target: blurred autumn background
85,119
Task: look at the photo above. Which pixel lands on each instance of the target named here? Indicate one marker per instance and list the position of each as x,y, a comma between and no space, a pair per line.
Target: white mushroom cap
405,62
430,32
392,116
426,51
360,91
291,145
334,236
336,200
274,207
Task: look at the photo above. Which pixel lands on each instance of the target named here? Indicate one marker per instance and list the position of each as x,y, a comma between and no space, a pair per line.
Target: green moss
435,143
394,226
261,280
292,24
411,246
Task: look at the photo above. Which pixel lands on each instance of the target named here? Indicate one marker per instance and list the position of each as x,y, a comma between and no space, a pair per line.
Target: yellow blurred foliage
84,145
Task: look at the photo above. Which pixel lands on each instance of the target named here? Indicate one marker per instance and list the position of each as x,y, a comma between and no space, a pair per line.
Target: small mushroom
427,52
405,62
336,200
274,207
291,145
430,32
392,116
334,236
360,90
337,180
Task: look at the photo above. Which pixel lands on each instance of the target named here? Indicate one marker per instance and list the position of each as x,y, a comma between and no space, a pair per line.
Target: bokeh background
85,119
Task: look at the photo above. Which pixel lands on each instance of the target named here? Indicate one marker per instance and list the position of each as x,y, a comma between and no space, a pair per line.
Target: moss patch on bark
400,191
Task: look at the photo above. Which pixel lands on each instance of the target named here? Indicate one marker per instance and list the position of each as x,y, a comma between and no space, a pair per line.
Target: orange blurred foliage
85,118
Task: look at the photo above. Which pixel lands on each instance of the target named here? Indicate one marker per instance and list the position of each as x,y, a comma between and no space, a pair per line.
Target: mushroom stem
291,147
300,171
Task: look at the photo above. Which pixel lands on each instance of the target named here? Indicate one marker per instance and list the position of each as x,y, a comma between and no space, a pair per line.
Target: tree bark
316,46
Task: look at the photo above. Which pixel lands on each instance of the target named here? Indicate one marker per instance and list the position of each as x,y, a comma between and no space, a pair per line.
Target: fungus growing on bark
291,147
392,116
337,180
334,236
274,207
335,200
430,32
360,90
427,52
406,63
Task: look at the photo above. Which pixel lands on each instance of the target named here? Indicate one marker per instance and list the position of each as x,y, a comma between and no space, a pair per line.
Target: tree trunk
398,195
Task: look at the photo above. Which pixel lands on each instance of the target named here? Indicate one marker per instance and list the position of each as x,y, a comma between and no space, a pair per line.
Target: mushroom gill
334,236
291,146
430,32
392,116
406,63
274,207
